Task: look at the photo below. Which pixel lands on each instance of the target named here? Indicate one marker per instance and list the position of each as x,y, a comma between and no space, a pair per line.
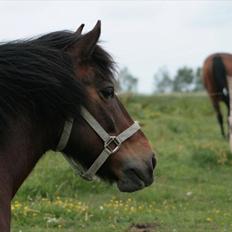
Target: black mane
37,78
37,81
102,60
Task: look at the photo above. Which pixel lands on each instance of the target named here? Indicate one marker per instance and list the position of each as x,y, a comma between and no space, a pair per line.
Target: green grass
192,192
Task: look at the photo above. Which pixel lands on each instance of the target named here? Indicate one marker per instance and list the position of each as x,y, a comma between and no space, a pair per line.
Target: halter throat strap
111,143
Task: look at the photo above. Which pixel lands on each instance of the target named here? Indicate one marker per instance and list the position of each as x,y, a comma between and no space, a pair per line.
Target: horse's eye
108,92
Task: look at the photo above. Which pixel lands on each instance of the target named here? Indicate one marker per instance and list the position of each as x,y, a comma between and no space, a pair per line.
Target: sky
141,35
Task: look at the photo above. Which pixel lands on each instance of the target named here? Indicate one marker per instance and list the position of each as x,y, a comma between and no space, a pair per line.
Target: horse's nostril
153,161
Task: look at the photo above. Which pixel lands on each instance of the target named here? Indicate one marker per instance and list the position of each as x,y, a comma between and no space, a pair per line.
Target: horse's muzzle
136,176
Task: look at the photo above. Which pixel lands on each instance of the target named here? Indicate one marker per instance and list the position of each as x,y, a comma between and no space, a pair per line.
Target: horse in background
217,71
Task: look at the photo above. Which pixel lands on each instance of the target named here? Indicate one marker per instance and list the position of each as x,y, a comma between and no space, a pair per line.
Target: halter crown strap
111,143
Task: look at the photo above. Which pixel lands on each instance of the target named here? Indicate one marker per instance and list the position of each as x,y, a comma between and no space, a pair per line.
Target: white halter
111,143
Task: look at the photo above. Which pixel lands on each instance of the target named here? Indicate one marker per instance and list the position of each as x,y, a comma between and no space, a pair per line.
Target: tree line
186,79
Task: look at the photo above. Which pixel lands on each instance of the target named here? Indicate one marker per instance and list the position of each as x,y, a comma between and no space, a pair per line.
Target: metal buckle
112,141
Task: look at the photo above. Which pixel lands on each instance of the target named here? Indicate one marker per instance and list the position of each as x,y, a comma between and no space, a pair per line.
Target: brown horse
57,92
217,69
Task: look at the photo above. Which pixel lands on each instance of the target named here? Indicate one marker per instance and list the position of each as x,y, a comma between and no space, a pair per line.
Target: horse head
129,161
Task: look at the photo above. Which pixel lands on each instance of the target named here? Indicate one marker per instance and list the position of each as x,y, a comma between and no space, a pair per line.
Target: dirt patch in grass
143,227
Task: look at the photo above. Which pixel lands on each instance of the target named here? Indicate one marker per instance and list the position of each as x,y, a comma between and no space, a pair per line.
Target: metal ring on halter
116,145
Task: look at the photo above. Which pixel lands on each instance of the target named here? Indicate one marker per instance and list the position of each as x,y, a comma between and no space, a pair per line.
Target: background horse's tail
220,82
219,76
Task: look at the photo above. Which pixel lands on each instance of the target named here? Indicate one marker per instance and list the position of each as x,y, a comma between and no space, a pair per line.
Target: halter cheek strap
65,135
111,143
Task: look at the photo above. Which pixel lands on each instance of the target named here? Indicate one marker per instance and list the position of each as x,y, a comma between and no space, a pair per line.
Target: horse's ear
85,46
79,30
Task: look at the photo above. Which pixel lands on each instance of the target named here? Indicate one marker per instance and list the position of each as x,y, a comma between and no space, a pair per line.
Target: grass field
192,192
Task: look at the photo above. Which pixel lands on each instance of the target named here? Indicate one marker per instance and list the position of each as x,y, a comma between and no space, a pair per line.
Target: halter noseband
111,143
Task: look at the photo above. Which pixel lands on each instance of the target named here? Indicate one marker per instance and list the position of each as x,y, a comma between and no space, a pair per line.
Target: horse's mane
102,61
38,82
37,77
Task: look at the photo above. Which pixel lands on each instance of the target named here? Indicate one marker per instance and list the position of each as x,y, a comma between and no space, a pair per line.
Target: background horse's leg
219,116
221,86
229,80
227,102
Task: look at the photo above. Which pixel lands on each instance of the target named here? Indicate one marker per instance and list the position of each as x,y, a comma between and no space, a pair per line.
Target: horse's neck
19,158
24,147
5,198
